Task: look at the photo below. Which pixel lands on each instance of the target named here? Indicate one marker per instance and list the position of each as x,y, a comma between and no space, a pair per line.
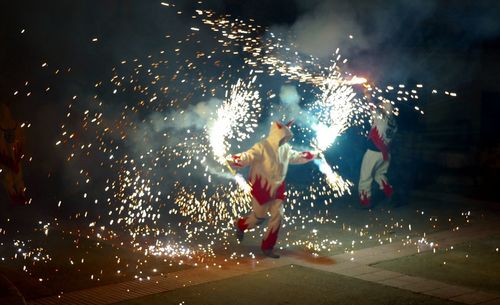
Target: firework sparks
236,119
151,161
335,106
334,180
145,152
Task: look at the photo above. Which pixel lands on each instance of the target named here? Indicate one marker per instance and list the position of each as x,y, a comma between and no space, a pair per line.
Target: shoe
238,232
388,190
364,200
270,253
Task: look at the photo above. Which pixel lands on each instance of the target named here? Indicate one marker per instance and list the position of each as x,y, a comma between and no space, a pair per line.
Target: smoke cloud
355,26
367,25
290,100
395,40
195,116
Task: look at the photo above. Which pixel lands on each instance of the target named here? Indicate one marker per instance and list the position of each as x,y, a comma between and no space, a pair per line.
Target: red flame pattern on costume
388,190
262,194
271,239
377,140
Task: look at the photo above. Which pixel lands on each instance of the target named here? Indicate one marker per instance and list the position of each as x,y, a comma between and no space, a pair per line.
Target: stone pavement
355,264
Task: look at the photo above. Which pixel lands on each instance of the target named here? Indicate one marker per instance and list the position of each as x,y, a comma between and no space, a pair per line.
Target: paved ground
291,285
353,265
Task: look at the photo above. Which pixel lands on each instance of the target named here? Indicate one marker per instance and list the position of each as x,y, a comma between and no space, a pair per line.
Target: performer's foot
364,200
270,253
388,190
239,232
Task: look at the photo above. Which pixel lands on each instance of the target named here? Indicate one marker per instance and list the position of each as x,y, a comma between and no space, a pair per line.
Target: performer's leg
254,218
381,178
366,176
271,235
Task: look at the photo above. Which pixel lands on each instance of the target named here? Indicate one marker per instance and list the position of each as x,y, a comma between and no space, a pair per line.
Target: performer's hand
319,154
233,160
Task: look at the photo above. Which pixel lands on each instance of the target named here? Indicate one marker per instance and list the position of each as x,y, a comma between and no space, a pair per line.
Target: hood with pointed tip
279,134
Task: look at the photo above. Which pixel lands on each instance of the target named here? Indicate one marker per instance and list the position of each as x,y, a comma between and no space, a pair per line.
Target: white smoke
352,26
321,32
290,100
195,116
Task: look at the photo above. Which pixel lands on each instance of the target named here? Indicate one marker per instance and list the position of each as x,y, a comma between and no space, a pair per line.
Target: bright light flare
356,81
335,108
334,180
242,183
236,119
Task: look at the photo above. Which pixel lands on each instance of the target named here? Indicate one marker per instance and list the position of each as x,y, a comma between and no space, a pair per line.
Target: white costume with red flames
377,157
268,161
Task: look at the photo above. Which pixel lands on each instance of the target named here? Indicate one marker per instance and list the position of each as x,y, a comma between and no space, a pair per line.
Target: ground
474,264
300,285
385,255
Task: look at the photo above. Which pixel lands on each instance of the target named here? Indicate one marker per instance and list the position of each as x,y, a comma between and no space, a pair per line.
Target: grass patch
474,264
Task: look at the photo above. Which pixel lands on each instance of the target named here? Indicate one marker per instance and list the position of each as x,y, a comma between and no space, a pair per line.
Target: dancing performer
376,159
268,161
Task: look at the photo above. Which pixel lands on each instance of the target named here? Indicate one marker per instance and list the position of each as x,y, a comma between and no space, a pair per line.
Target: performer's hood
387,107
280,133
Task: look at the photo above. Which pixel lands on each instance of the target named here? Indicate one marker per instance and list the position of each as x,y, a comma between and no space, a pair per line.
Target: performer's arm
245,158
368,96
374,134
302,157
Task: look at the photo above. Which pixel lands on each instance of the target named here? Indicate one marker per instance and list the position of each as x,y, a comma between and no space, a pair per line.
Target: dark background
451,45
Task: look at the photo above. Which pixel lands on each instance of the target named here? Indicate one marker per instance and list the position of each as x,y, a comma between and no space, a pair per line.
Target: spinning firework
236,120
335,106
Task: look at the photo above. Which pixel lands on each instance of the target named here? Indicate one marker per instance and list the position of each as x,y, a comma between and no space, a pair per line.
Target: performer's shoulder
286,147
258,145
